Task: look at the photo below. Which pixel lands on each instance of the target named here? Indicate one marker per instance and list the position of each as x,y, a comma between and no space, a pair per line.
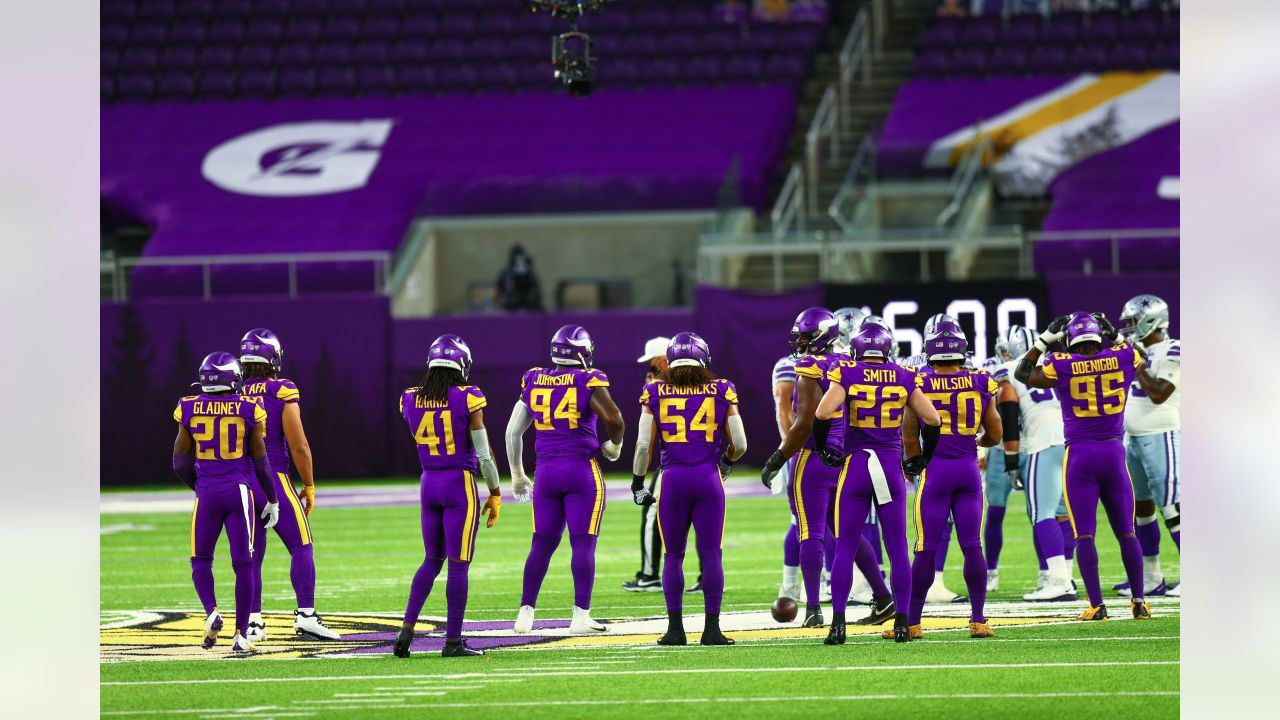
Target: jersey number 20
230,437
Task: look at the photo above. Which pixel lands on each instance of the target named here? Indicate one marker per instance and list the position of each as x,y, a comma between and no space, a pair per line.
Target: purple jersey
690,419
877,394
273,395
816,367
961,399
1093,390
559,398
442,428
220,426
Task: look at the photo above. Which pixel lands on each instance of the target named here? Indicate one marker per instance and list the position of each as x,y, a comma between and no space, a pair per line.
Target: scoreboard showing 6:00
984,309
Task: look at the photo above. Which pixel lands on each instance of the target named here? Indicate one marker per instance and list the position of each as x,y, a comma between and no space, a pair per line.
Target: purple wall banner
1119,188
1109,293
336,175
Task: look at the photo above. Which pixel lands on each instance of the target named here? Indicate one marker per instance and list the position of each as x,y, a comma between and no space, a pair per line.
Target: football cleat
980,630
212,625
459,648
240,646
812,617
1121,586
696,587
1158,590
1042,578
256,631
312,625
403,641
582,624
835,636
939,594
861,593
1140,610
824,591
643,583
1094,613
1053,591
1174,590
993,580
901,632
881,611
675,632
789,591
524,621
711,635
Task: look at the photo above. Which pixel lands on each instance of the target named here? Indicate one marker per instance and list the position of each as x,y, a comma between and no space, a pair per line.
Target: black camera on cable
567,9
571,51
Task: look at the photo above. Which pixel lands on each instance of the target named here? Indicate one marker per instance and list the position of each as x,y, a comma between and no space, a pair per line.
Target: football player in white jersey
784,386
1042,446
997,482
1152,425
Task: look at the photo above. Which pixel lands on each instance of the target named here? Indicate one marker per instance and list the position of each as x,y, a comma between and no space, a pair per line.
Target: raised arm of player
614,426
262,469
488,468
300,451
992,427
1028,371
516,427
183,461
640,462
783,408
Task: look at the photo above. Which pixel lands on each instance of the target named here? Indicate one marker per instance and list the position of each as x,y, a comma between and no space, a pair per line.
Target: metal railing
853,189
967,172
854,59
117,269
823,131
1111,237
788,209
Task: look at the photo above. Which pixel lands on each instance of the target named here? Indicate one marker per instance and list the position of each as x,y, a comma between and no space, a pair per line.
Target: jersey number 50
1105,392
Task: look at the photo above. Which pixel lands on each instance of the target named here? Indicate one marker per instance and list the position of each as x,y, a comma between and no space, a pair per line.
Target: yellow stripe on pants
1066,457
194,510
919,513
802,520
298,514
468,528
844,470
597,512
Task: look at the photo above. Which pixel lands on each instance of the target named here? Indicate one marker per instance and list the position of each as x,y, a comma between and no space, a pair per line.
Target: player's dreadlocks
687,376
436,383
257,370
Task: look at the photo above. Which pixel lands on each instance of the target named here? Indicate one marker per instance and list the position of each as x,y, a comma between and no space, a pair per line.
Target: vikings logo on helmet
1082,328
220,372
450,351
814,332
262,345
1014,342
1142,316
688,348
572,345
947,342
872,341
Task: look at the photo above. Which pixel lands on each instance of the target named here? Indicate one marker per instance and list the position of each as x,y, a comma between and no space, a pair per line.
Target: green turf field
1039,663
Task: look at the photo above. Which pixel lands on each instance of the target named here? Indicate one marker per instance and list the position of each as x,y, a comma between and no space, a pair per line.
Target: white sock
993,572
255,618
937,579
1059,569
790,575
1151,570
307,611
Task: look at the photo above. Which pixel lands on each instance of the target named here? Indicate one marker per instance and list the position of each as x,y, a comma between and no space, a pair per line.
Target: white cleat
789,591
860,594
1053,591
312,625
212,625
582,623
824,592
1042,579
993,580
938,593
1175,591
240,646
256,632
524,621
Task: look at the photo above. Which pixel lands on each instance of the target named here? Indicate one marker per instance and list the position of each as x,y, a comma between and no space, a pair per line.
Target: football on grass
784,609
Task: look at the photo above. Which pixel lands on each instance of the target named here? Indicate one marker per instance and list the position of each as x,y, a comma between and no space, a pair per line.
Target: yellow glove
492,508
308,498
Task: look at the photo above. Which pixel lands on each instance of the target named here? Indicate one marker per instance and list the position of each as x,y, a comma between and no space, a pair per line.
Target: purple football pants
692,496
450,519
228,507
1093,472
950,487
569,493
294,531
871,477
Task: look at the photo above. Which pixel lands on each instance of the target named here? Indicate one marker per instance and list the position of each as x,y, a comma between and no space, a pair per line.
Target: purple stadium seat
229,30
980,32
448,50
158,9
332,53
486,48
1128,57
217,56
305,28
114,34
761,39
1141,26
932,63
188,32
722,42
1063,29
108,88
638,44
113,11
335,81
342,27
198,8
704,70
251,8
1166,57
534,49
176,86
257,55
1091,57
264,30
109,59
318,8
744,68
970,62
418,27
416,79
409,50
296,82
802,37
293,54
652,18
498,23
376,81
459,24
660,72
618,73
387,6
496,76
1022,30
149,33
1008,60
457,77
691,17
678,43
140,58
1047,59
371,52
1103,27
348,7
789,68
940,35
136,87
215,83
256,84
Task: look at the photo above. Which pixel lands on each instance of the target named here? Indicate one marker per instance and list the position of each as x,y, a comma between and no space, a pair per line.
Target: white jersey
1143,417
784,370
1041,412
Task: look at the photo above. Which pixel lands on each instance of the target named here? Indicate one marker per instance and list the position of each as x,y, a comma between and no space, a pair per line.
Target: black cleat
881,611
675,631
835,636
696,587
459,648
643,583
711,634
901,632
812,616
403,641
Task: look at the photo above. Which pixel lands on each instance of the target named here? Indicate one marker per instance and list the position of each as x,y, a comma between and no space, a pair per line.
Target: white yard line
804,669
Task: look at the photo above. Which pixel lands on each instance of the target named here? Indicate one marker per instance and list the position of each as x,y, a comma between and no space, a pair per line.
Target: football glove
308,498
772,467
492,508
610,450
1015,479
521,488
271,513
726,467
639,492
831,457
914,465
1053,333
1108,330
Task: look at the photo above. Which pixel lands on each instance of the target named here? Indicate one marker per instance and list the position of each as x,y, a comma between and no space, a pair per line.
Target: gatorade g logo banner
306,158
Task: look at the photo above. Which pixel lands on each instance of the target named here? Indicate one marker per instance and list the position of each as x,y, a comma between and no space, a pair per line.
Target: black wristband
821,429
1010,461
930,434
1023,371
1009,416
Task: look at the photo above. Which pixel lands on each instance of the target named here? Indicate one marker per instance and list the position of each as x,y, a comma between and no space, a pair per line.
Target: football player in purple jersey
965,401
262,358
562,403
872,393
694,414
446,418
1092,380
215,430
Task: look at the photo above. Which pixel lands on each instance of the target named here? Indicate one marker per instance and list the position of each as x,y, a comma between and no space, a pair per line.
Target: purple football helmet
572,345
220,372
450,351
947,342
814,332
872,341
261,345
1082,328
688,348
